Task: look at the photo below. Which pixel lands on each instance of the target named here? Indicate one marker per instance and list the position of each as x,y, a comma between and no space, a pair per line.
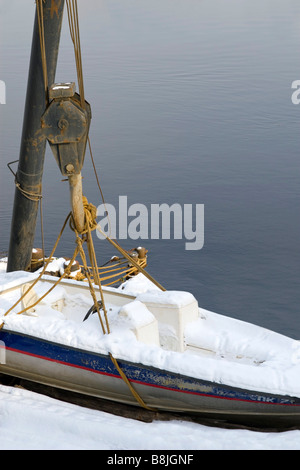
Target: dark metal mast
33,143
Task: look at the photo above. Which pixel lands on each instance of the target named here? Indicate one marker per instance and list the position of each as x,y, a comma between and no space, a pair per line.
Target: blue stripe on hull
138,373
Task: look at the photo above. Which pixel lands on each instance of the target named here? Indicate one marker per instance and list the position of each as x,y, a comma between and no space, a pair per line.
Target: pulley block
65,124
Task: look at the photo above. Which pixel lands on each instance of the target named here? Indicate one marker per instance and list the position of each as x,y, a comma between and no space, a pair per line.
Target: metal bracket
66,124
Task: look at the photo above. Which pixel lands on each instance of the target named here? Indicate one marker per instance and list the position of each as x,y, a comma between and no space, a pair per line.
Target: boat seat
55,301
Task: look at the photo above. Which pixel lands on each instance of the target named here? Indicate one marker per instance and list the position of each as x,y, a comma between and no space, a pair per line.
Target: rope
129,272
133,391
40,18
90,212
29,195
92,290
95,275
118,272
75,36
90,224
92,255
89,209
90,245
41,273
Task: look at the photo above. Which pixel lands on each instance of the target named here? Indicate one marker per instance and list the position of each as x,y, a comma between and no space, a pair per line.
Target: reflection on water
191,104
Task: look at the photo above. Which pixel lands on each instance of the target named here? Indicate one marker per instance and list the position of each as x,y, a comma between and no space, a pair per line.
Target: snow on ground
29,421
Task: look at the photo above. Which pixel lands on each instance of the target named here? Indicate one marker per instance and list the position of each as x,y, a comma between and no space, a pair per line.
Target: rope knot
90,222
90,215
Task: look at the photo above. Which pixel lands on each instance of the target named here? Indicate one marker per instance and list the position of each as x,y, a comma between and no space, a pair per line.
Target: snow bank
30,421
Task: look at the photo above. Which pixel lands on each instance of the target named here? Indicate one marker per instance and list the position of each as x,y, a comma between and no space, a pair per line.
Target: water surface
191,104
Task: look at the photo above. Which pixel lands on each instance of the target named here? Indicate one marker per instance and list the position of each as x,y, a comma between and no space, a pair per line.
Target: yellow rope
72,9
133,391
137,266
86,236
89,209
40,19
43,270
91,224
118,272
90,212
41,273
92,290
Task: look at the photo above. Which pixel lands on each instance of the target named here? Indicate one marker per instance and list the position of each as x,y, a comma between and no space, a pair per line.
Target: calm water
191,103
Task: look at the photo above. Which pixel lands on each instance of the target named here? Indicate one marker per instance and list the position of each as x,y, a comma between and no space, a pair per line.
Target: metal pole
33,143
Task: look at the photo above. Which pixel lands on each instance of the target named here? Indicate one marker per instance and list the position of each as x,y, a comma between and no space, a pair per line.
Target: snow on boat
177,356
161,351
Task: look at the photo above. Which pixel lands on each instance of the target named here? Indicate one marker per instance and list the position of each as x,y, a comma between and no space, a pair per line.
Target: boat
133,343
